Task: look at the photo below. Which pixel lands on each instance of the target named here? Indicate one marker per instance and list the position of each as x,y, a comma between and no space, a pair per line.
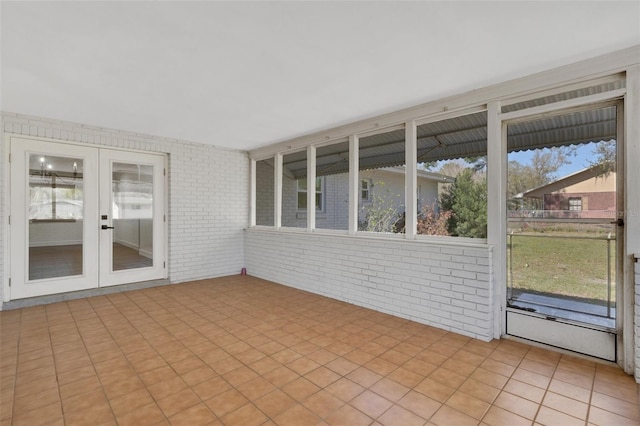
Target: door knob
107,227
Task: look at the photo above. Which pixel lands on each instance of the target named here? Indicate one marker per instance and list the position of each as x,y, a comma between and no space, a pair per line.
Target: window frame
369,183
319,207
578,204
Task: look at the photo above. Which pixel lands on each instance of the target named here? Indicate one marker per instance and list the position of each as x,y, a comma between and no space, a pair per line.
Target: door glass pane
55,216
561,203
132,211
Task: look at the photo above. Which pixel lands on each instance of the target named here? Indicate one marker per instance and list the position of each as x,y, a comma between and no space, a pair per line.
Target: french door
83,217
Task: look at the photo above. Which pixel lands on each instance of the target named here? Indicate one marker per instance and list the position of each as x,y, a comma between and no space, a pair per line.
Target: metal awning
461,137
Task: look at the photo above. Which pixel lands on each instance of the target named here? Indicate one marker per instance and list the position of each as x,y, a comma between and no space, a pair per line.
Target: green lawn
551,263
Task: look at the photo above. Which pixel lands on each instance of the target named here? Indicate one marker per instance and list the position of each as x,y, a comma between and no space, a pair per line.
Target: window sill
420,239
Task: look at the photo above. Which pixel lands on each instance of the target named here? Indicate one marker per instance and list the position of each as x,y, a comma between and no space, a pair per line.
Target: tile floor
243,351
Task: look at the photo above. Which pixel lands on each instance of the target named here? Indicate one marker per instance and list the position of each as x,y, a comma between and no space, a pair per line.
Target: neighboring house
382,188
586,194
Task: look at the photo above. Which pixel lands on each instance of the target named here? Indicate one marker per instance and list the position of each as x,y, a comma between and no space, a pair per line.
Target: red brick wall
594,204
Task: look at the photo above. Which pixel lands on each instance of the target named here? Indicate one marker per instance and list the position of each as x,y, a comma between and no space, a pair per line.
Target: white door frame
108,276
19,229
497,177
16,228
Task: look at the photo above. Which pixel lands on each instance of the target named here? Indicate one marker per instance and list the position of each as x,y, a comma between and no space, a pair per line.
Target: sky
584,154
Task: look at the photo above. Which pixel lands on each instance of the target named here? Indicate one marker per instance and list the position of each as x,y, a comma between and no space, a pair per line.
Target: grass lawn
554,263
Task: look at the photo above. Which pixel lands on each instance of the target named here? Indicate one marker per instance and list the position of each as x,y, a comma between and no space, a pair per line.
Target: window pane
332,165
302,200
132,210
265,192
452,178
55,211
382,162
294,195
302,184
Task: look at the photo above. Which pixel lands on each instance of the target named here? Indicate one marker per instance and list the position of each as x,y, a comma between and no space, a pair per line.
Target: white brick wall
208,194
446,286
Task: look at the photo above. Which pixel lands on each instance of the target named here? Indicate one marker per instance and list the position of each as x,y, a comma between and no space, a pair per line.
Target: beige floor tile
274,403
447,416
298,415
602,417
549,416
566,405
348,416
300,389
479,390
242,351
497,416
614,405
372,404
468,405
323,403
178,402
434,390
398,416
247,415
419,404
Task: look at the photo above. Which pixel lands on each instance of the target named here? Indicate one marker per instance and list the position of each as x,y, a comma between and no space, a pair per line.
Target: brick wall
208,194
446,286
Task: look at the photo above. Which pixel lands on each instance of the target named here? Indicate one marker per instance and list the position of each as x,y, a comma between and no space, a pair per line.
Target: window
575,204
265,192
381,162
294,190
302,194
332,164
452,177
365,190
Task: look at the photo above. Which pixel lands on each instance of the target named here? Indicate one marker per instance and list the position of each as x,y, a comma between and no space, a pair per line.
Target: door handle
619,222
107,227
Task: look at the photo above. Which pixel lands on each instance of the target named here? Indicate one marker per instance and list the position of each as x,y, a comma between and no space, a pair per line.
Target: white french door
83,217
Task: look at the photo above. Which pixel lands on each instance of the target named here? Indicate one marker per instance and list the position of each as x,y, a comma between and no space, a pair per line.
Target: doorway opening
563,234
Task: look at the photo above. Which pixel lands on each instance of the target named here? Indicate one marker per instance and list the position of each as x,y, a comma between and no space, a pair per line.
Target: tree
384,211
605,157
541,170
547,161
466,200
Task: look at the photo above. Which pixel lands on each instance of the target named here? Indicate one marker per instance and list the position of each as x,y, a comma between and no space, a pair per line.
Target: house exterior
379,188
586,194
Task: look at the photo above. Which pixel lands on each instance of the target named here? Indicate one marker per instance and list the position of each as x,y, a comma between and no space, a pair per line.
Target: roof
556,185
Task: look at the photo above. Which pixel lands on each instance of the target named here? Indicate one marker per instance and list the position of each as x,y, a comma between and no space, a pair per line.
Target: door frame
20,224
108,277
497,156
8,202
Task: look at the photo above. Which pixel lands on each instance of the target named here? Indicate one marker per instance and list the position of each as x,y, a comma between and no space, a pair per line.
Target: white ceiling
244,75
